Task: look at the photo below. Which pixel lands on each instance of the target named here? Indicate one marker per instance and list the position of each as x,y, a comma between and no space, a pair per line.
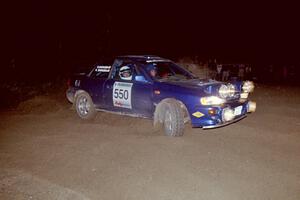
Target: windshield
167,70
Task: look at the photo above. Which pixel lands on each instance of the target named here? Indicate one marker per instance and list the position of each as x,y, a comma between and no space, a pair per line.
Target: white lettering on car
102,68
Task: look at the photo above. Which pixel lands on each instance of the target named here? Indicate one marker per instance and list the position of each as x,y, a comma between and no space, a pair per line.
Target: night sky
65,34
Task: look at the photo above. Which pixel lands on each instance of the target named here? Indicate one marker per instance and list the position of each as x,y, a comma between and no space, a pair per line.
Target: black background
53,37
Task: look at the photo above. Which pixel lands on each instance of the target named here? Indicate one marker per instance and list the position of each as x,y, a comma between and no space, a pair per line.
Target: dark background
46,39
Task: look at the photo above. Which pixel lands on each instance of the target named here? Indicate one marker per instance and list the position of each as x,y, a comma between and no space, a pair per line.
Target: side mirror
140,78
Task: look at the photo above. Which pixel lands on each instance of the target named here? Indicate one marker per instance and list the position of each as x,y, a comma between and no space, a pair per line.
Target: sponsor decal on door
122,95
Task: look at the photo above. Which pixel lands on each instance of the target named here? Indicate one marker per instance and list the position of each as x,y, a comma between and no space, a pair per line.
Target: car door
129,95
117,91
142,93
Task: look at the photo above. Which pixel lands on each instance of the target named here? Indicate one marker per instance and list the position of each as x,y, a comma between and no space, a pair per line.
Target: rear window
101,71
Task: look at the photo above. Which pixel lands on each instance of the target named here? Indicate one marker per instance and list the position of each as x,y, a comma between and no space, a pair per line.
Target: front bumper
224,123
238,111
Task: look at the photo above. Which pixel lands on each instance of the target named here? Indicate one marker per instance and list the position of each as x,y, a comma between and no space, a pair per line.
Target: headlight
248,86
211,100
226,91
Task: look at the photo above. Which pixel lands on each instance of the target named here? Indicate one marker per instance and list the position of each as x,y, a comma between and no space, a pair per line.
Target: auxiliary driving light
226,91
251,107
248,86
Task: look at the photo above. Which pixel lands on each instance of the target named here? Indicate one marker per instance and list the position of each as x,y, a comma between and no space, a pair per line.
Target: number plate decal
122,94
238,110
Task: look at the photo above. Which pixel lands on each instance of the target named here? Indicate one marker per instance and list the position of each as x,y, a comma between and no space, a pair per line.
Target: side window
115,67
139,74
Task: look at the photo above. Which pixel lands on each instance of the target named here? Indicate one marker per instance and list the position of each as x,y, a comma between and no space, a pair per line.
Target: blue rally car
157,88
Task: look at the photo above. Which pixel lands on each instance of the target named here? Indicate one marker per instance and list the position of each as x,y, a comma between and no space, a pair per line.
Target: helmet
150,67
125,73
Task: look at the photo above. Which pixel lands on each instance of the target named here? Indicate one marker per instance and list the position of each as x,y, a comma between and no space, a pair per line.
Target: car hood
205,85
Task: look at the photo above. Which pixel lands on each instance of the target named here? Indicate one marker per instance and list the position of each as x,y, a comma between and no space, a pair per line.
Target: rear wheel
85,106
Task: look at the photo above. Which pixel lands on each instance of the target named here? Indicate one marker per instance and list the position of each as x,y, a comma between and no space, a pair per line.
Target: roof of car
144,58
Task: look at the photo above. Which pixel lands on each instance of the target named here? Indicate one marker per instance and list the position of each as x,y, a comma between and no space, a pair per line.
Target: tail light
69,82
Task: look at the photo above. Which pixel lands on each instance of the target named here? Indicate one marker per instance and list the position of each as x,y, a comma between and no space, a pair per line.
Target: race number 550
122,94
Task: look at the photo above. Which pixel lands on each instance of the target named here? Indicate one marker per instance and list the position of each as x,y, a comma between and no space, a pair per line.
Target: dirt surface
47,152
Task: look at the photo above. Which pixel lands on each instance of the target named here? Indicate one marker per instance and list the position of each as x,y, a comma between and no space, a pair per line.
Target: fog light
228,114
212,111
251,106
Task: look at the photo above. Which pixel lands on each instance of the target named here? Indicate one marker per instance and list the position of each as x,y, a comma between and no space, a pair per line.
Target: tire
85,106
173,118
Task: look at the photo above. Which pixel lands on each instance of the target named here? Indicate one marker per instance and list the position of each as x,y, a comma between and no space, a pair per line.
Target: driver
125,73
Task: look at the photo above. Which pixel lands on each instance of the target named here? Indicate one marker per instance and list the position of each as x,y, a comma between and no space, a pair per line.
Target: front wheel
85,106
172,117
